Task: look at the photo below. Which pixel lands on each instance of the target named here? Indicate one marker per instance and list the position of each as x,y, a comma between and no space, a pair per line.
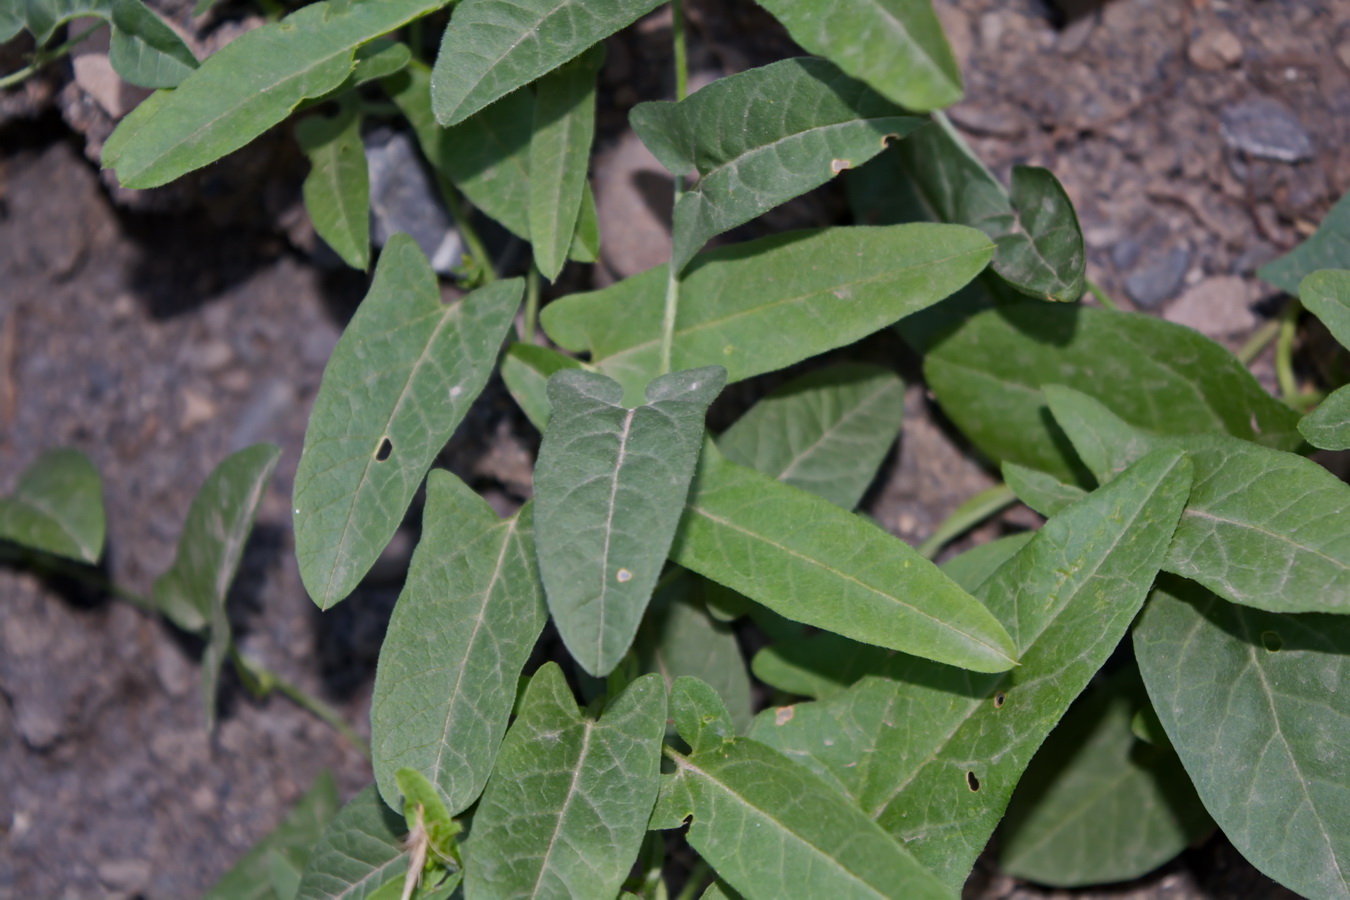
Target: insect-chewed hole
385,450
972,782
623,575
1272,641
999,699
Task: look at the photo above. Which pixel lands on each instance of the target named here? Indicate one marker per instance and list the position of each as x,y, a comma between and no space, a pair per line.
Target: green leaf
248,86
809,560
610,483
493,47
461,632
361,851
142,49
424,808
1328,426
811,122
678,637
286,845
988,374
826,432
337,188
1257,706
560,152
1262,528
978,564
933,753
1040,244
586,242
1326,294
57,507
526,369
896,46
399,381
11,21
765,304
193,592
567,806
1328,248
1041,491
1096,805
769,827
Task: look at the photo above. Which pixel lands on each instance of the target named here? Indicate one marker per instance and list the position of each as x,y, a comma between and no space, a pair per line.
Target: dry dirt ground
159,332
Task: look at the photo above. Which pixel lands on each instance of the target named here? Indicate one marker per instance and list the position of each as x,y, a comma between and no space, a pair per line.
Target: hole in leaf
1272,641
972,782
999,699
623,575
386,449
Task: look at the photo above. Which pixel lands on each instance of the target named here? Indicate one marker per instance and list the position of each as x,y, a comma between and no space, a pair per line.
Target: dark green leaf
610,484
337,188
826,432
401,378
1328,426
811,561
987,376
765,304
1326,294
1041,491
811,122
1328,248
142,49
565,811
468,617
360,852
526,369
493,47
972,568
57,507
1257,705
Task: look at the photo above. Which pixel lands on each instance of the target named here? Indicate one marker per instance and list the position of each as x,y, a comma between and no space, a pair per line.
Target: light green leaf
337,188
826,432
1257,706
360,851
1262,528
809,560
609,483
11,21
567,806
811,122
933,753
1041,491
248,86
560,151
462,630
678,637
192,593
142,49
493,47
896,46
765,304
1096,805
1328,426
1328,248
526,369
57,507
769,827
286,846
978,564
424,809
399,381
988,373
1326,294
586,242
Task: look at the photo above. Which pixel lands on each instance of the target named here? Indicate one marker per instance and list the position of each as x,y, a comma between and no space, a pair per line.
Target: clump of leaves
1188,585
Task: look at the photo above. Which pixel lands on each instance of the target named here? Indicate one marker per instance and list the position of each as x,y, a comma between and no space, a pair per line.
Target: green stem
697,876
42,57
673,276
1258,342
471,239
1102,297
1284,352
967,516
270,681
531,303
681,53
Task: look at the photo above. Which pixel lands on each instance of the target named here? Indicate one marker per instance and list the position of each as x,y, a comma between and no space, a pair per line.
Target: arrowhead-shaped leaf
493,47
765,304
1257,706
1328,248
1098,805
401,378
360,852
526,369
896,46
610,485
826,432
811,123
192,593
1326,294
465,624
1328,426
810,561
988,374
337,188
1262,527
934,753
248,86
57,507
567,806
768,826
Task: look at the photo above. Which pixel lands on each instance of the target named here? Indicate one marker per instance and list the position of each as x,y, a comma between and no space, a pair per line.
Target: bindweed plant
1167,653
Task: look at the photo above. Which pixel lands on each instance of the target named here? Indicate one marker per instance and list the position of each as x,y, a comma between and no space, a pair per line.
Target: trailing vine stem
673,275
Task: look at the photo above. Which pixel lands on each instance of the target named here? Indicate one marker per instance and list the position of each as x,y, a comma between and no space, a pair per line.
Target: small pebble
1267,129
1160,279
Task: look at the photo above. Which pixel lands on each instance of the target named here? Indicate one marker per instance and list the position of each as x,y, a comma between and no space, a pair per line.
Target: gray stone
1126,253
403,198
1267,129
1159,279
